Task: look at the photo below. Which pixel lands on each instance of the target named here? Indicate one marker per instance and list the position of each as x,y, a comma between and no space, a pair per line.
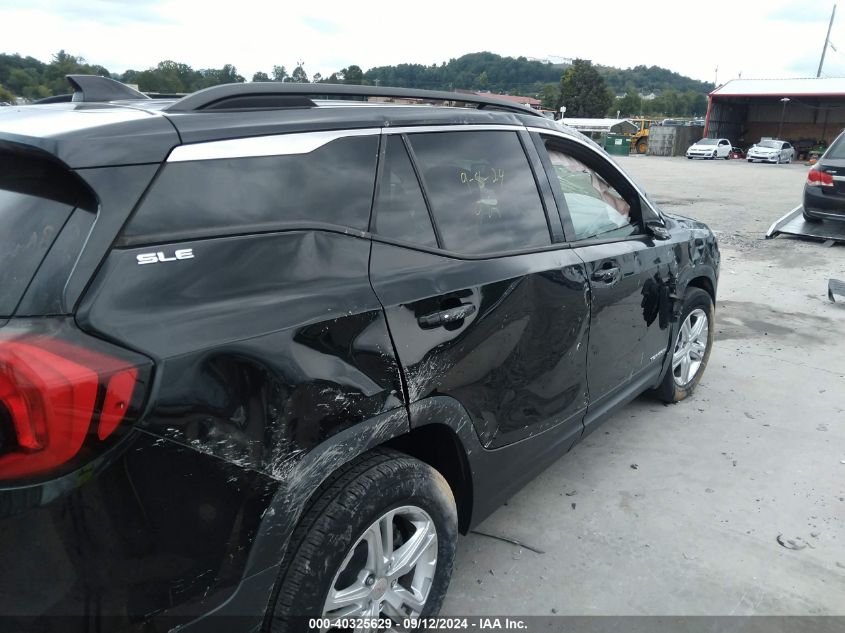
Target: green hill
32,79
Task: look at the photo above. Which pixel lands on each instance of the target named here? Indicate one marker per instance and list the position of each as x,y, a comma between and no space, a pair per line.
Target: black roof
140,130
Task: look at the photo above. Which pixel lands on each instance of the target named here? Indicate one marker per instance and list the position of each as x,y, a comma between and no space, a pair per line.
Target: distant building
529,101
601,126
802,111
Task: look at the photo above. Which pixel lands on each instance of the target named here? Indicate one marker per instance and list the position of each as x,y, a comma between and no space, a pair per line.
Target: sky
751,38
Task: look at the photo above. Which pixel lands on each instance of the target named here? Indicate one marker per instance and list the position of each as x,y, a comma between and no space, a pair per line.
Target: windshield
707,141
769,144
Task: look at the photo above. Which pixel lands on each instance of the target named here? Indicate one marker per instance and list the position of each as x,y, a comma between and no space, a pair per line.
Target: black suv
265,350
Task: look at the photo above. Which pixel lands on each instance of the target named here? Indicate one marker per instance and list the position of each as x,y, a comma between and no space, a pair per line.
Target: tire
330,548
808,218
674,388
642,147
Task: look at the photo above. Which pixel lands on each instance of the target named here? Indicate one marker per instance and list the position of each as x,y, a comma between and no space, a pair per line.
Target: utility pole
784,101
826,41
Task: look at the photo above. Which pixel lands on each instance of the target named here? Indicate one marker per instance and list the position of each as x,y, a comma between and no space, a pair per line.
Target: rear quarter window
837,149
37,195
332,184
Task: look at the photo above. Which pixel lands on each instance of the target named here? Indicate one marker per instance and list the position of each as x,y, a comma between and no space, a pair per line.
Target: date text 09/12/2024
422,624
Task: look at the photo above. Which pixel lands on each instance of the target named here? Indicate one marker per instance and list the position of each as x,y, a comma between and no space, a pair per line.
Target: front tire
377,541
691,348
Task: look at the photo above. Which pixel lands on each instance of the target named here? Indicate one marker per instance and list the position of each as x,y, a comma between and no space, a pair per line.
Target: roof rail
299,95
88,88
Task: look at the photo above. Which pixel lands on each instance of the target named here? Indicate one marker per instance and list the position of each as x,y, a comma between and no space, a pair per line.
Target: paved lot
759,451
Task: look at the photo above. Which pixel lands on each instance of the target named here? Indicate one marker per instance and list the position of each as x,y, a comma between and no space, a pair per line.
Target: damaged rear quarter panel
266,347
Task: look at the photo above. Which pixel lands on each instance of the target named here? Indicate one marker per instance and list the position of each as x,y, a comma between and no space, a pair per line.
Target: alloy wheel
690,347
389,570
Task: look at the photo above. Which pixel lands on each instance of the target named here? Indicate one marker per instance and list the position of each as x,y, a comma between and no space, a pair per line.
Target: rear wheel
642,147
377,542
691,349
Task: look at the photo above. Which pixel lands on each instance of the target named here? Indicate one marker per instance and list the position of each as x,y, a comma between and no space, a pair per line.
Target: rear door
483,302
630,274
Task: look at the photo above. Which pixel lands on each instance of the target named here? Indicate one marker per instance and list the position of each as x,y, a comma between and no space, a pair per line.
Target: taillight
818,178
63,396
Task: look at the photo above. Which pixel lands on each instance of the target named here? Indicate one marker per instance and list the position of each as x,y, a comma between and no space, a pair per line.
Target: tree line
585,89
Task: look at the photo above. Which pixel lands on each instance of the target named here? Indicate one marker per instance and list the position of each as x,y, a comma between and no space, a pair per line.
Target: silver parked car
771,151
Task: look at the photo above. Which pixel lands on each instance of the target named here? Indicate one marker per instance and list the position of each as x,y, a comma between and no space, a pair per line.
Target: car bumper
153,528
700,155
765,159
823,206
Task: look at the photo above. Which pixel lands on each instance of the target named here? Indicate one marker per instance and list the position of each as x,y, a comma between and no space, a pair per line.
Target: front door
630,274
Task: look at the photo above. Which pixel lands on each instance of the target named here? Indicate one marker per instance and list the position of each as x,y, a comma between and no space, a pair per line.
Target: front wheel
377,542
691,349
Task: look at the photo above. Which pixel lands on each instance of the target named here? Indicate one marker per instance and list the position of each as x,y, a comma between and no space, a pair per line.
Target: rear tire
642,147
340,560
691,347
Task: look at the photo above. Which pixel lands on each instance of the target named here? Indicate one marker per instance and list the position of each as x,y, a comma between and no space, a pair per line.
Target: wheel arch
440,447
706,284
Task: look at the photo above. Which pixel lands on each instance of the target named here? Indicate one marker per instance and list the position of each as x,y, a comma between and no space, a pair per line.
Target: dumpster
617,144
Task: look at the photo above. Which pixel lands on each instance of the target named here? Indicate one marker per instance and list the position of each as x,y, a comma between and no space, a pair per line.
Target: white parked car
771,151
710,148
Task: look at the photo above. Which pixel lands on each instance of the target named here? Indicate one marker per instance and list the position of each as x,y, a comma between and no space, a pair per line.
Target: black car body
208,312
824,190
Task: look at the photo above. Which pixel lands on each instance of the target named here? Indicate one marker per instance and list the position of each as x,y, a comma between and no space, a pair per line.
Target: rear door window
482,191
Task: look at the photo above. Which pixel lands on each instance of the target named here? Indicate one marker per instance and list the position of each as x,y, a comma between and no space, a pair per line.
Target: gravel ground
757,456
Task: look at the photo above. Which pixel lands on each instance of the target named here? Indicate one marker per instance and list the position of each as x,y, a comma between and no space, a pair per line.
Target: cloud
801,12
320,25
108,12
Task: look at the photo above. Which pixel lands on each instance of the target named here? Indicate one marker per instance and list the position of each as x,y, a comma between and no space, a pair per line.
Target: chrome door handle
445,317
606,275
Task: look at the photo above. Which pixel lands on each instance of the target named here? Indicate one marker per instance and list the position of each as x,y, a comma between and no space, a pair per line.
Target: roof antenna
826,41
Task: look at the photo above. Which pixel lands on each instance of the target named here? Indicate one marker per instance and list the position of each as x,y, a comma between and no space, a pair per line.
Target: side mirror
658,230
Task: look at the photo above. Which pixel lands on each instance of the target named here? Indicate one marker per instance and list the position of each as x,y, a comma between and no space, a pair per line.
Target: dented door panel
627,334
516,360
